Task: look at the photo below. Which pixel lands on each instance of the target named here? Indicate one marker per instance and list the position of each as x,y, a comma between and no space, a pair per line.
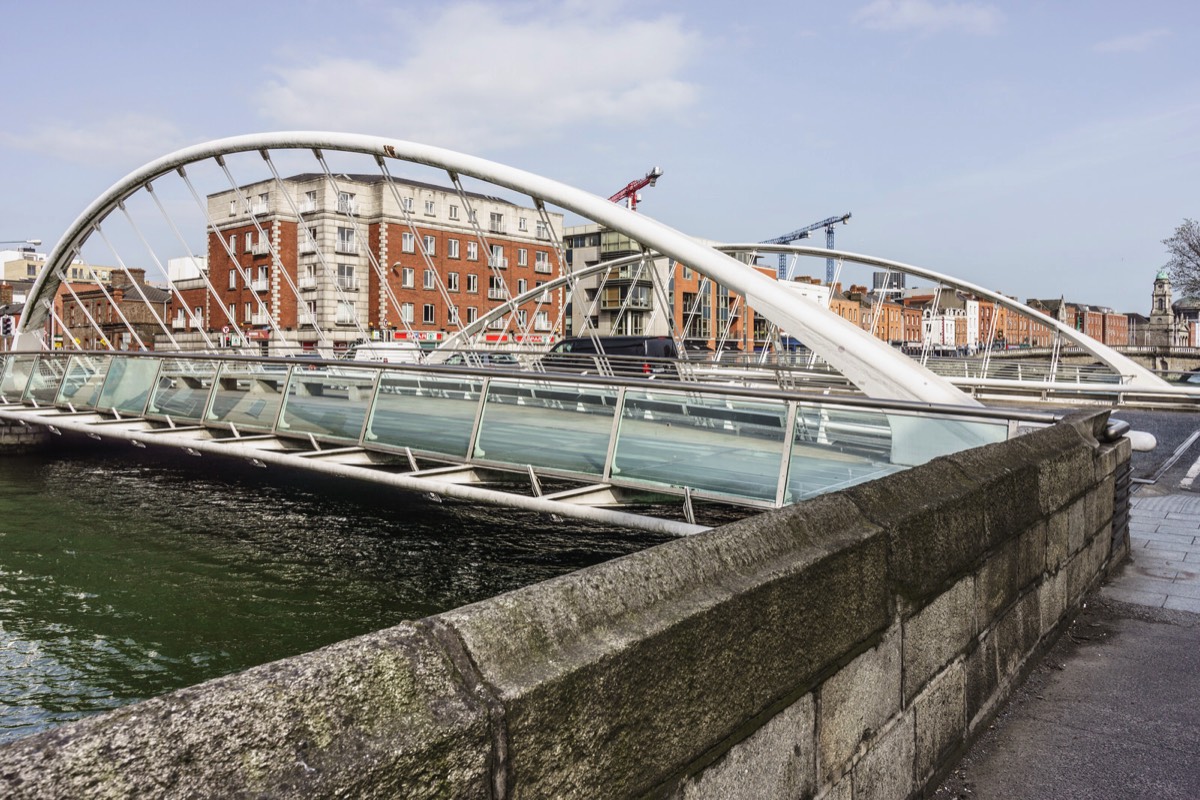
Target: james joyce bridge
759,431
846,646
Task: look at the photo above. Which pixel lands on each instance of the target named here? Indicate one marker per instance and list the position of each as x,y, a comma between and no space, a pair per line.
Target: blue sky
1041,149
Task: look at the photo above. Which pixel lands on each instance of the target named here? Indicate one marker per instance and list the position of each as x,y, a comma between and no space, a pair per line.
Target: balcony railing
497,293
308,206
260,284
258,208
260,319
260,248
178,323
541,266
347,247
347,284
497,263
308,282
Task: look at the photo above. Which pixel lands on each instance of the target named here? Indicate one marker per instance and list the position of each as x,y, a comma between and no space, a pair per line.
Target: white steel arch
872,365
1135,374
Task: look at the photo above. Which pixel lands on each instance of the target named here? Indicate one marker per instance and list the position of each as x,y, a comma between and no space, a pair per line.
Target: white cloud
1134,43
126,139
927,17
476,76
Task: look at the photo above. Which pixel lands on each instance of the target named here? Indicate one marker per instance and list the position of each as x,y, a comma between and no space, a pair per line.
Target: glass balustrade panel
836,446
433,414
548,425
81,386
46,378
182,390
128,383
328,402
247,394
17,371
718,445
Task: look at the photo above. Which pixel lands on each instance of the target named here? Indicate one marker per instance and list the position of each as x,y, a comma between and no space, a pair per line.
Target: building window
345,278
472,314
472,251
345,312
496,223
345,242
429,208
233,208
310,202
522,224
452,282
248,315
471,217
232,311
407,204
406,277
453,315
309,239
345,203
233,279
521,318
430,246
233,242
497,260
472,284
452,248
310,313
429,279
453,212
522,257
541,261
522,286
406,312
408,243
542,231
428,314
496,289
541,321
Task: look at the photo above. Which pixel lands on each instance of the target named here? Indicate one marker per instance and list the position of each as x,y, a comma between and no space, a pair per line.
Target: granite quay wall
17,439
846,647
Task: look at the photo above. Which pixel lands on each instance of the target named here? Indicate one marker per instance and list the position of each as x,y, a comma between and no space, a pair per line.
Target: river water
123,579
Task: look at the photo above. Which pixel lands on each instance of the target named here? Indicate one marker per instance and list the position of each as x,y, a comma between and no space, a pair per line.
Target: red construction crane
630,193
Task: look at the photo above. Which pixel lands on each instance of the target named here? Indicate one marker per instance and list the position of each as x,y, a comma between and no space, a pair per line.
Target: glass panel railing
17,370
182,389
81,386
247,395
835,447
559,426
127,385
46,378
718,445
328,402
425,413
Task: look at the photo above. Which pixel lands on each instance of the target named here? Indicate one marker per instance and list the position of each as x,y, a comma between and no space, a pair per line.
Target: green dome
1162,275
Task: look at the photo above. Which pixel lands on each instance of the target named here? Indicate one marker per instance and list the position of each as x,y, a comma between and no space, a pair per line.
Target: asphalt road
1172,429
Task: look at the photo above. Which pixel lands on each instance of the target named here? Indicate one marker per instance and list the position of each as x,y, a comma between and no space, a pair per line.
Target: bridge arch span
872,365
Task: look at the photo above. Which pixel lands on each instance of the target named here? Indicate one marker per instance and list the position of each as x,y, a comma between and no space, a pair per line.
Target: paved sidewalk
1164,566
1111,712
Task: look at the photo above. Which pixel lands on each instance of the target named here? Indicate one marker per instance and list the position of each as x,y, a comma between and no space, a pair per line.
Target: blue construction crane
803,233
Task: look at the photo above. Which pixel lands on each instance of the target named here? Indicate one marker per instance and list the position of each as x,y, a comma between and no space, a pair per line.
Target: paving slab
1109,714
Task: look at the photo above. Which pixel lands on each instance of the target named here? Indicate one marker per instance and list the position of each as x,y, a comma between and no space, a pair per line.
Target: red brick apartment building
362,257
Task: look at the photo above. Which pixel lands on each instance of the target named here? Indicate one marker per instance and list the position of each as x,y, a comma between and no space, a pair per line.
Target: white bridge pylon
872,365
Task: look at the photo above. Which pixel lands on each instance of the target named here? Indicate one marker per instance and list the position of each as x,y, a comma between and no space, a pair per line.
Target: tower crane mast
630,193
803,233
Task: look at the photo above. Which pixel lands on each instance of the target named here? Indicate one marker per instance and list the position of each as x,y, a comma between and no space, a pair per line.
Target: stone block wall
846,647
16,439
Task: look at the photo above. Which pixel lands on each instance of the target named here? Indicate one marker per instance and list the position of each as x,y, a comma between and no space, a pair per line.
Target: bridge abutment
18,439
849,646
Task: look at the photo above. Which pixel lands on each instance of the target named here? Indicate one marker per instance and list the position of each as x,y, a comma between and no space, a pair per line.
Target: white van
388,352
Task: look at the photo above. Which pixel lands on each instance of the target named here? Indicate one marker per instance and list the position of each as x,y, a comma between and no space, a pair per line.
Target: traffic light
6,325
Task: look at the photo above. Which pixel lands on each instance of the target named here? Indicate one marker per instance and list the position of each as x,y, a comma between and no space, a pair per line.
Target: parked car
484,358
387,352
640,356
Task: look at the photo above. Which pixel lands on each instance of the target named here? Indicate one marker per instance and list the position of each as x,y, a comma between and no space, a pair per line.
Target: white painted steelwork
872,365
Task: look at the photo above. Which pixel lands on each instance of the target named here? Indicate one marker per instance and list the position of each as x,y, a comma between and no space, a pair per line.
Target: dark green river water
123,579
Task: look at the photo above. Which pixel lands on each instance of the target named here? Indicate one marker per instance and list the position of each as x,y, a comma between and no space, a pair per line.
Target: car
388,352
626,356
484,358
